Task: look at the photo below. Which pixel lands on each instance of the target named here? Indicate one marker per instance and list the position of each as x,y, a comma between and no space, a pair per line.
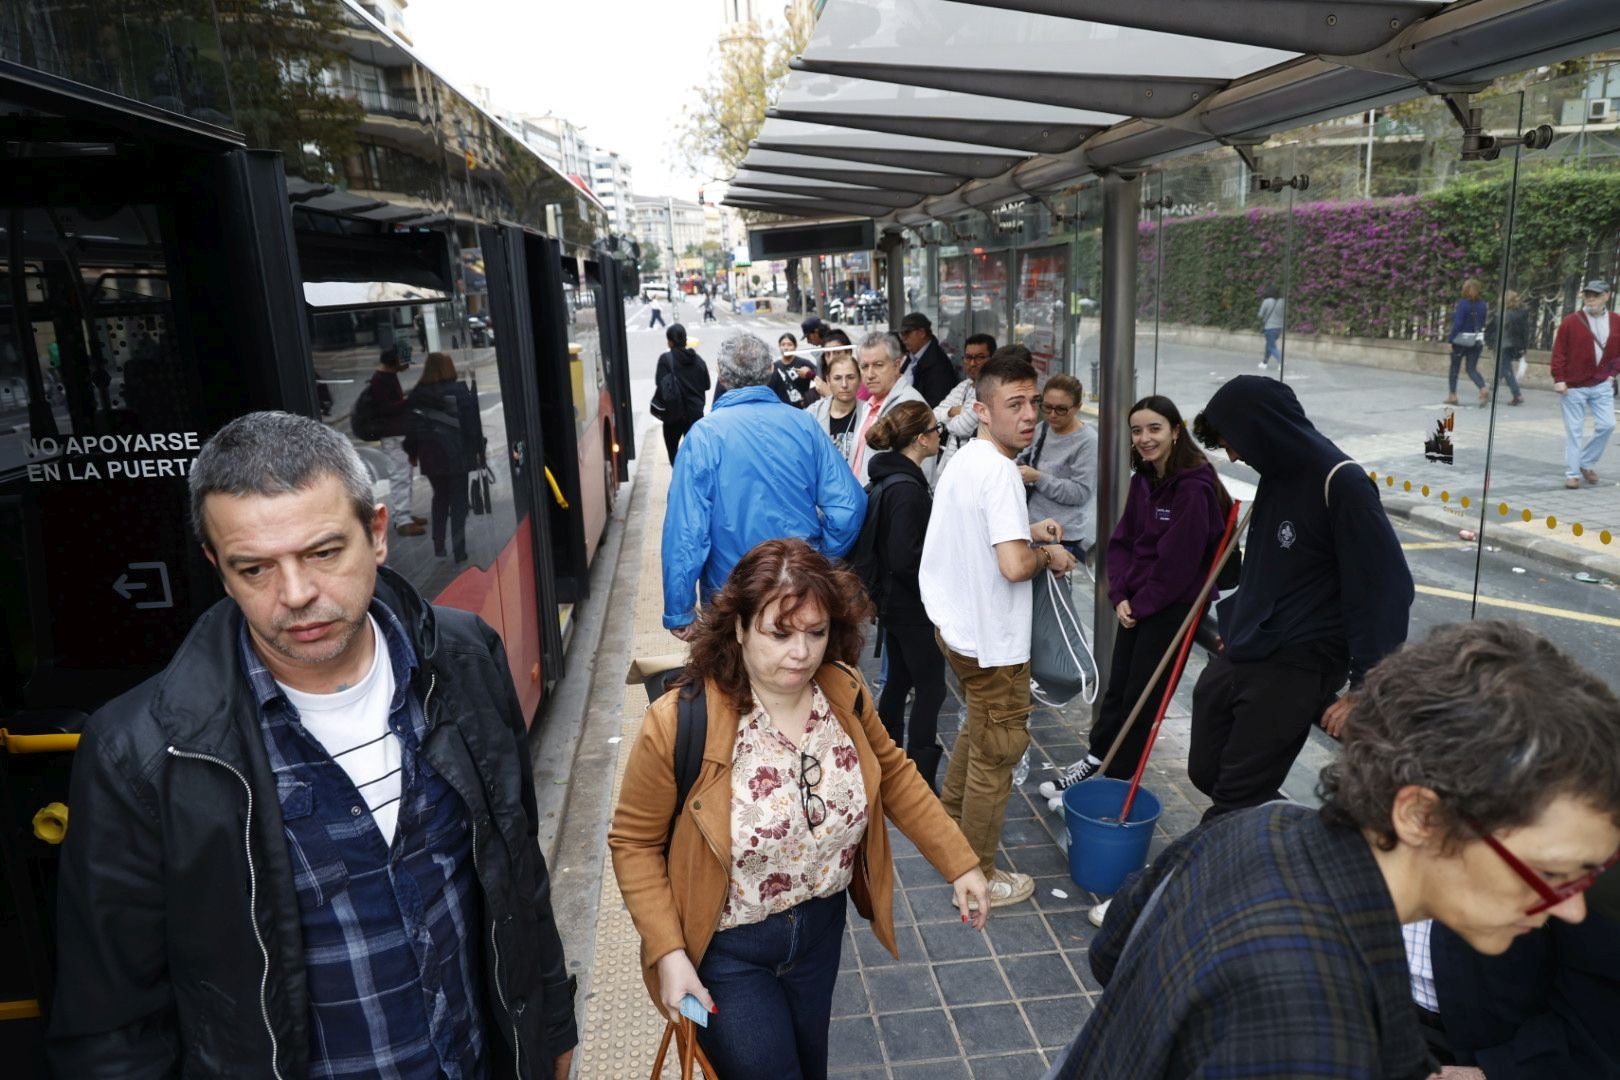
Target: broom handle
1170,686
1186,630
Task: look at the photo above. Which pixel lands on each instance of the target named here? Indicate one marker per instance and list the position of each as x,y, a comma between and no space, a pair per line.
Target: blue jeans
772,984
1577,400
1271,345
1470,356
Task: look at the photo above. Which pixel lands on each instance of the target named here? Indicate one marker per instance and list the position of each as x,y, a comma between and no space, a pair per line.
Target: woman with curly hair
739,894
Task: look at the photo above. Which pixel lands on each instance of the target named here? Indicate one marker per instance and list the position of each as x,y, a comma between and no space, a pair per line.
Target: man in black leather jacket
204,881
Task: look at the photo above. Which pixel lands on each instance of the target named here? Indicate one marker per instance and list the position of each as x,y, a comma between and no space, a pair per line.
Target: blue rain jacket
753,470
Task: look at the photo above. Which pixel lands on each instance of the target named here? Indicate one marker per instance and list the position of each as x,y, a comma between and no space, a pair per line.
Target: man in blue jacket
1324,594
753,470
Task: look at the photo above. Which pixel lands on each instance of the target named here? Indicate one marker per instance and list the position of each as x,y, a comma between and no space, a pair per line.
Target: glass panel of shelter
989,300
1549,554
952,325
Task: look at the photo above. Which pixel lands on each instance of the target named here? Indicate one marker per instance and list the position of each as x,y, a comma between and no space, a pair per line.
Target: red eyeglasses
1551,895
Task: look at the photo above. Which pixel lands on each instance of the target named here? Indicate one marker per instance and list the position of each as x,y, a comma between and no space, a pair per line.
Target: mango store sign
144,456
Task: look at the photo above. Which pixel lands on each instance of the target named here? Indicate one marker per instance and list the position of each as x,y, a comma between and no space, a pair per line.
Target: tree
730,106
650,260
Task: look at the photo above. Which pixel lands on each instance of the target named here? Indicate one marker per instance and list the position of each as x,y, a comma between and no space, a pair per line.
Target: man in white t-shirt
977,563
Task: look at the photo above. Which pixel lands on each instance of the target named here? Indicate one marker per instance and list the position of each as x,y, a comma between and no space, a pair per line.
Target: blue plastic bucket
1102,854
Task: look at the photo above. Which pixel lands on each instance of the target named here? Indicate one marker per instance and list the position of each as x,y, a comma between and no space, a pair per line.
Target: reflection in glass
1040,320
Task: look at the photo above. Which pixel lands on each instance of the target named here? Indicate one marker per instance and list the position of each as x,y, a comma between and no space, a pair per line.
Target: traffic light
472,160
700,197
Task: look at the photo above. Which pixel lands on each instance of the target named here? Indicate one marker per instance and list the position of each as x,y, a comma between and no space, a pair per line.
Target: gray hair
276,453
745,360
883,339
1485,713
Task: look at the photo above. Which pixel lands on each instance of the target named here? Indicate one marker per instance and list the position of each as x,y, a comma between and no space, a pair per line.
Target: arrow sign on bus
126,588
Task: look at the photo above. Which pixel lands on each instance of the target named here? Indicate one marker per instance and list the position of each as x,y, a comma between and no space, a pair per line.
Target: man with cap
814,331
1585,356
931,369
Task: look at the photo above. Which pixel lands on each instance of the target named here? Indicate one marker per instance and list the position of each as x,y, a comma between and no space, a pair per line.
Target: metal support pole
818,285
1122,206
894,250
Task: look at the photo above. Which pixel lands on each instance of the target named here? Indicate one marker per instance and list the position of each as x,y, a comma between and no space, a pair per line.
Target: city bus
221,208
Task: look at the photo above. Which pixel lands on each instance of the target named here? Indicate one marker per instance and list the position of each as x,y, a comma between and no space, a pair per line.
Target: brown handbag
685,1037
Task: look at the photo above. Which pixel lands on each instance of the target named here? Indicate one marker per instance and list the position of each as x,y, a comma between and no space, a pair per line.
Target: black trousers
1250,719
673,434
449,501
915,662
1137,652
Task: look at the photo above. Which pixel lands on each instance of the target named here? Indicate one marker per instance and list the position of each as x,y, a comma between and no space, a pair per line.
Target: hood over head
1262,420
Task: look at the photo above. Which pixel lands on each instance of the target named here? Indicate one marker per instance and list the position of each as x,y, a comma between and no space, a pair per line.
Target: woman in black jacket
446,439
682,379
898,496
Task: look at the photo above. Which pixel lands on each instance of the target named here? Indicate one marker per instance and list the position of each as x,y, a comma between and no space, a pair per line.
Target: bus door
603,273
143,293
507,272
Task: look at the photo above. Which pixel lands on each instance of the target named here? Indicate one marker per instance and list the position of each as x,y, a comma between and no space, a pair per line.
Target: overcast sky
621,69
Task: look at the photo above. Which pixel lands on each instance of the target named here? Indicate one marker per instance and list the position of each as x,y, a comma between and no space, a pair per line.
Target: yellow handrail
556,489
37,744
26,1009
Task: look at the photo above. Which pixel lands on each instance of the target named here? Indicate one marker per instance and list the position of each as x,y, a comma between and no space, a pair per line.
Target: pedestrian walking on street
656,311
752,470
1160,552
739,891
898,506
977,564
1467,337
682,378
708,306
1510,337
1272,314
1585,356
387,403
1324,593
1268,945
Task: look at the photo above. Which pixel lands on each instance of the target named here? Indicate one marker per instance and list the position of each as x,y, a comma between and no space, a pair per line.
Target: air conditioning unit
1600,109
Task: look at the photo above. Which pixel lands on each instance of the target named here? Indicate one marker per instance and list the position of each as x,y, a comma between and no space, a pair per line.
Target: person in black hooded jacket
902,512
1325,593
682,379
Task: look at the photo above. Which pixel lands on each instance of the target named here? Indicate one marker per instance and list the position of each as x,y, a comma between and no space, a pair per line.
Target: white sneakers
1097,914
1052,790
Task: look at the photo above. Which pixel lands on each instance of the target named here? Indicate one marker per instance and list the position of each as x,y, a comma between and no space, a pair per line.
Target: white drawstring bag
1061,664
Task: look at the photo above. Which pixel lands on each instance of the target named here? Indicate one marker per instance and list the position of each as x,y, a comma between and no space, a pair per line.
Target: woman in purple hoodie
1157,558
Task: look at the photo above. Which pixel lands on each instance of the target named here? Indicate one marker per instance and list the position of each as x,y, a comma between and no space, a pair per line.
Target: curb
1554,552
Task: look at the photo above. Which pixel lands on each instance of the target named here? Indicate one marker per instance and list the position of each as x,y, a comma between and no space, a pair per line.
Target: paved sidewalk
956,1003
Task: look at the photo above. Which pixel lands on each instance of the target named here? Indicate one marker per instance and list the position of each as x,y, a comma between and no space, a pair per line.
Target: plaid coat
1263,946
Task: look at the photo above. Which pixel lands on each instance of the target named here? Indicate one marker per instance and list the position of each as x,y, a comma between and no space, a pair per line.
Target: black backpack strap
691,732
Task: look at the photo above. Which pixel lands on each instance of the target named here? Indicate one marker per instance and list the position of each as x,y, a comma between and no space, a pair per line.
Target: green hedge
1383,267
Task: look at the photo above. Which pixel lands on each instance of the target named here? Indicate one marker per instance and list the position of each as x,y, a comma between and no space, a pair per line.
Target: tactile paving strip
622,1029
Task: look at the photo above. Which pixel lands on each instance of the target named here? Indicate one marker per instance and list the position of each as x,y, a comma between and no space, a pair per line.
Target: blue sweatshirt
1321,562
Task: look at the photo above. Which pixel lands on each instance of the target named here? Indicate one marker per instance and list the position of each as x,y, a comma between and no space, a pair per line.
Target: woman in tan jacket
746,910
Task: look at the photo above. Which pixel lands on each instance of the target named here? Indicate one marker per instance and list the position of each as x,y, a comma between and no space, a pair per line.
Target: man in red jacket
1585,356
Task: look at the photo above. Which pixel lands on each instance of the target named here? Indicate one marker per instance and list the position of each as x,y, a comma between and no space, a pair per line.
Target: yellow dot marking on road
1425,490
1552,522
1465,501
1577,528
1502,508
1519,605
1389,481
1527,515
1445,496
1604,536
1373,476
1406,486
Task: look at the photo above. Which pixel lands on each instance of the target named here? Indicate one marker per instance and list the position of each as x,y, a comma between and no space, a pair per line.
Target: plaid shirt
388,931
1265,947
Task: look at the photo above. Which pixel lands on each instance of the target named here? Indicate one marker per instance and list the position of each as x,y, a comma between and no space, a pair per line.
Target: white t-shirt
978,504
352,725
1599,325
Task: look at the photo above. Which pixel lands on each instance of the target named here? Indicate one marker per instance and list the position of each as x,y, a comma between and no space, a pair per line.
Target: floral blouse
777,859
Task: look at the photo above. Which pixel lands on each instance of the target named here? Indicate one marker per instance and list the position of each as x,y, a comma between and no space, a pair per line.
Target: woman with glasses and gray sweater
1060,467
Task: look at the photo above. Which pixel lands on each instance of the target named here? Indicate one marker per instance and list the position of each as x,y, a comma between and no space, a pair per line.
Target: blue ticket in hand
693,1010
